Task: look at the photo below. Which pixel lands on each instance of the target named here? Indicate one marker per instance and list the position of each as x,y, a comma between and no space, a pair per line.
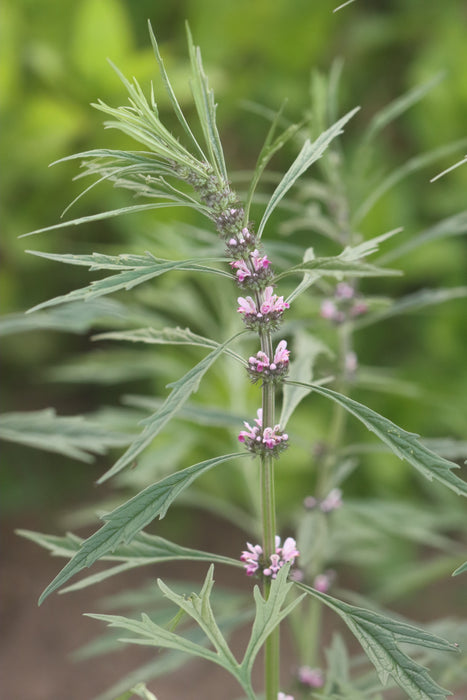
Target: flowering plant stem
268,507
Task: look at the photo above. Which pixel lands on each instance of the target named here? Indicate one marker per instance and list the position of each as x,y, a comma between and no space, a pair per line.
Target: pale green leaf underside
134,270
309,153
165,336
107,215
182,390
145,549
404,444
77,317
126,521
452,226
73,436
460,569
410,303
337,267
380,637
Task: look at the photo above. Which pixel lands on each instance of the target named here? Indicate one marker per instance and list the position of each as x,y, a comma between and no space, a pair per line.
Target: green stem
268,510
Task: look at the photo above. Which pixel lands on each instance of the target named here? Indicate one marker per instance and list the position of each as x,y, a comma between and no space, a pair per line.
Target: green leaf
380,637
398,106
460,569
404,444
309,153
338,267
452,226
198,607
170,91
206,108
182,390
107,215
411,166
269,614
135,269
126,521
194,413
411,302
73,436
145,550
270,147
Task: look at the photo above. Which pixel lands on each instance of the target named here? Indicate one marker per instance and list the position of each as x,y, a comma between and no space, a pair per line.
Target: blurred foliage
53,64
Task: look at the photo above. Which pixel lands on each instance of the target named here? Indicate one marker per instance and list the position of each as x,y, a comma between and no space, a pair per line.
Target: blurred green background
53,64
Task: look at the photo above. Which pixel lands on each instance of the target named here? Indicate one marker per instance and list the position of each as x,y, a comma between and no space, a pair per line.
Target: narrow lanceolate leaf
338,267
460,569
452,226
398,106
74,318
107,215
145,550
410,303
411,166
182,390
404,444
134,270
206,108
170,91
166,336
126,521
380,637
310,153
72,436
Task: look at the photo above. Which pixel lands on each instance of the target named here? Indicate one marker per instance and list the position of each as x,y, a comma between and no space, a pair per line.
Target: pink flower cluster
254,271
260,367
312,677
261,440
283,696
323,582
343,305
269,312
253,557
332,501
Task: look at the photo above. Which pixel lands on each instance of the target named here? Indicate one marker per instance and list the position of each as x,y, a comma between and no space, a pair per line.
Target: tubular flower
254,559
268,314
260,367
259,440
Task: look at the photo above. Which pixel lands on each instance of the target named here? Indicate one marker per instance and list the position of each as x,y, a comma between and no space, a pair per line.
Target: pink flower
289,550
332,501
253,557
312,677
272,303
283,696
246,306
281,356
344,291
259,263
242,270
